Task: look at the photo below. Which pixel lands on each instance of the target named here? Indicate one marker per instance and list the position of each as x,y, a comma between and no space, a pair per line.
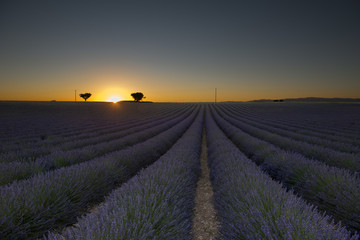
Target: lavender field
130,170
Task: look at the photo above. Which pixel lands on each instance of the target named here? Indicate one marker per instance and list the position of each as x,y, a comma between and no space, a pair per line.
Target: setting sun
114,99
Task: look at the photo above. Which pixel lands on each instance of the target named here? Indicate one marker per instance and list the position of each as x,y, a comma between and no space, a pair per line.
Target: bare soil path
205,223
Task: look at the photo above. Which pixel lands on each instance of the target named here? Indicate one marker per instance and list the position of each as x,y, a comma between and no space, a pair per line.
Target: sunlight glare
114,99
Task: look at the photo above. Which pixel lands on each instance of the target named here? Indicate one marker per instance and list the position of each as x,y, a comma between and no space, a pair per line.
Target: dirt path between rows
205,223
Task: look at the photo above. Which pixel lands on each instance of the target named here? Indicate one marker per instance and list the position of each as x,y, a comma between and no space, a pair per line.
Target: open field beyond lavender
130,170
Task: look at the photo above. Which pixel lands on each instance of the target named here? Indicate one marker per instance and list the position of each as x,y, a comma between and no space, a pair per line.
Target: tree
85,96
137,96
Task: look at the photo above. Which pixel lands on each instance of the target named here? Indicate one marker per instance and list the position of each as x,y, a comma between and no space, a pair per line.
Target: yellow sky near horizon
107,83
164,93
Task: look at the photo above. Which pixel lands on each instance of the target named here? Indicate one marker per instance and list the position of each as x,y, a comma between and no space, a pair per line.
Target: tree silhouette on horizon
137,96
85,96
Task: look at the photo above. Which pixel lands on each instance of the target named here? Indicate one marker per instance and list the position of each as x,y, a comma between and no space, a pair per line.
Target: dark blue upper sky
251,49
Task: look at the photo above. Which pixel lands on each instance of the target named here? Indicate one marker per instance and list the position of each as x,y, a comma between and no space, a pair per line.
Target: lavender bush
293,133
90,137
334,190
155,204
124,130
327,155
250,205
311,118
21,170
50,200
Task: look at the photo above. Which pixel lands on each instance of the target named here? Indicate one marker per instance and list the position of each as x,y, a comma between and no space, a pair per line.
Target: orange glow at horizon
107,84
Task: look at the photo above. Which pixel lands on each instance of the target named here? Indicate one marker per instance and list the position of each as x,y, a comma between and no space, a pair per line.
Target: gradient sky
179,50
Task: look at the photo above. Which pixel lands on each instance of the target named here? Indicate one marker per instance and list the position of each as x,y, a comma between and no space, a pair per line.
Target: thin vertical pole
75,95
215,94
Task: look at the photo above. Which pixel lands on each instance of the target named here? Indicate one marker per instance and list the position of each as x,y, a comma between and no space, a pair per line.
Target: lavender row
334,190
123,130
121,125
28,120
299,127
33,154
326,155
44,142
76,139
10,157
302,116
111,124
22,170
250,205
54,199
265,125
155,204
332,117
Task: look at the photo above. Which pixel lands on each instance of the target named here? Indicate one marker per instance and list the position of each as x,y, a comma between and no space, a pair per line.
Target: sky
179,51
